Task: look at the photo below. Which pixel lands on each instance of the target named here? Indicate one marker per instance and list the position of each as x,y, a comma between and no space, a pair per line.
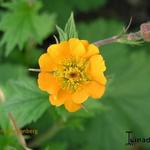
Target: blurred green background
26,30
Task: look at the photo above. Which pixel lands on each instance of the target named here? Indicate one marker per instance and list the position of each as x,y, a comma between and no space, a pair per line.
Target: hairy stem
106,41
117,38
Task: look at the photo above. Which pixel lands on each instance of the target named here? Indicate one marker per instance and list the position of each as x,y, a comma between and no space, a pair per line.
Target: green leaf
47,28
70,30
70,27
62,34
22,23
56,146
11,72
22,96
28,103
9,143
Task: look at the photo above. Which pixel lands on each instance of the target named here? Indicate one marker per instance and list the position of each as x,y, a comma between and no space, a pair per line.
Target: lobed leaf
23,23
28,103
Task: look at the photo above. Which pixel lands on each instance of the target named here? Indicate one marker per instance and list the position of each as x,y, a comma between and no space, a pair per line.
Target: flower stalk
143,35
106,41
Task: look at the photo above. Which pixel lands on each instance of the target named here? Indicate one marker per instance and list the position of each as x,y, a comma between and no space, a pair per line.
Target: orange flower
72,71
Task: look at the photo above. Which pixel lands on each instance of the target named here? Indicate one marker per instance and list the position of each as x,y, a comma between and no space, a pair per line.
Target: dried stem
18,132
84,108
34,70
2,98
128,26
14,125
56,39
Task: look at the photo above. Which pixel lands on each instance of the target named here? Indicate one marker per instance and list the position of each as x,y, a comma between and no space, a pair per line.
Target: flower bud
145,31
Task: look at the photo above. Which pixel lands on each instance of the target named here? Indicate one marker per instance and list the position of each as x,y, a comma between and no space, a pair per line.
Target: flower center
72,73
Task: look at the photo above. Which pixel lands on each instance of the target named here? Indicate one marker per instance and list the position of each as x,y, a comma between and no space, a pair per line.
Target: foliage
127,103
23,23
28,100
103,123
56,145
9,73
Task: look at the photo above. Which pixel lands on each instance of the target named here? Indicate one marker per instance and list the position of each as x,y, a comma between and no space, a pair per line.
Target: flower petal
60,98
91,50
53,50
71,106
76,47
48,83
46,63
101,79
85,43
80,95
97,63
55,101
59,51
95,69
95,89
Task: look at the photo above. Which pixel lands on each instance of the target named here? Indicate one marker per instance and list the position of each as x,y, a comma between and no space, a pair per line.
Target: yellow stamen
72,74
